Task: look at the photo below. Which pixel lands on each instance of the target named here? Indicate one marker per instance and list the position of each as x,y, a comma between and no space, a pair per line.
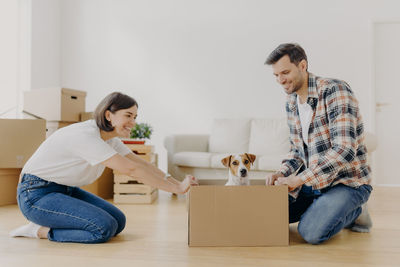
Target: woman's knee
106,230
121,220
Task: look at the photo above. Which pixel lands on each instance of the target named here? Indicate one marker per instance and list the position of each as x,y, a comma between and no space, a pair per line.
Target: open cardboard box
255,215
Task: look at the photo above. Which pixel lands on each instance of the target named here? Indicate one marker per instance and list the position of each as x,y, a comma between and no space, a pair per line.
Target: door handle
381,104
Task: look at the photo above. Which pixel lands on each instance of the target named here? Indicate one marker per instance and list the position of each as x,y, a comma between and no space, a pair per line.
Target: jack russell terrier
239,166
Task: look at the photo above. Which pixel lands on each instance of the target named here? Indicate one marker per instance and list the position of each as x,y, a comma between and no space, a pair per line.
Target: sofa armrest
186,142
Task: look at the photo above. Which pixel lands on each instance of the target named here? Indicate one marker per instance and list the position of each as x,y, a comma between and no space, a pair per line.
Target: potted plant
139,134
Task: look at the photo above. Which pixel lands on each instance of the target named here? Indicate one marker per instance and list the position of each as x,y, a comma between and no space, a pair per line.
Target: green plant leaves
141,131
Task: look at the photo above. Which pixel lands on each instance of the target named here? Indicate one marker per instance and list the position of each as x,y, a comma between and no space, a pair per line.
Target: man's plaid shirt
336,150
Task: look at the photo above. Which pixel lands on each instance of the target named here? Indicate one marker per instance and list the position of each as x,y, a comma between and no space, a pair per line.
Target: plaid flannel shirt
336,150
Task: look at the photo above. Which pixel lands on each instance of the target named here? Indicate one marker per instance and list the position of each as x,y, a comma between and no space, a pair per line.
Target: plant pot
133,141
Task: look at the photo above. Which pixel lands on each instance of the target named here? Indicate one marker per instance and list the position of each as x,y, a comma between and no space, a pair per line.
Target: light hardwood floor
156,235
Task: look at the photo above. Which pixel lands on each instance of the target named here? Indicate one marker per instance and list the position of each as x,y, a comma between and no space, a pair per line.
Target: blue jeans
72,214
324,213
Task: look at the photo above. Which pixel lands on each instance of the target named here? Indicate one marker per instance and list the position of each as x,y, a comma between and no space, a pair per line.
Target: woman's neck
107,135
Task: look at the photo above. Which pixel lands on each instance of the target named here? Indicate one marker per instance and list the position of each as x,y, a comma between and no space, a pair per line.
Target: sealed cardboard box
52,126
19,139
103,186
8,185
254,215
55,104
86,116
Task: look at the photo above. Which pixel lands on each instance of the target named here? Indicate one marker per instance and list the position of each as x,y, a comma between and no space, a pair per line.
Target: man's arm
342,111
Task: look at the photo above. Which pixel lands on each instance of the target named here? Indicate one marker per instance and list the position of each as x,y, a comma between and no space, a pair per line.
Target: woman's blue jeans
72,214
324,213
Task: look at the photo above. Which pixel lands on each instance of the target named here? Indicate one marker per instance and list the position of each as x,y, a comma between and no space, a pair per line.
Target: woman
48,192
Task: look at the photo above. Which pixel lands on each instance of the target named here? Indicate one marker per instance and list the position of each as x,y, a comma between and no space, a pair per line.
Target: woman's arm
146,173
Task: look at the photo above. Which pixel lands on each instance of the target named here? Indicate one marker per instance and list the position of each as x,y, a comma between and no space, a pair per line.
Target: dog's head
239,164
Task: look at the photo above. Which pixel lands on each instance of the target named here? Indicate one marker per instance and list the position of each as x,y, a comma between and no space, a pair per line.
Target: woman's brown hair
113,102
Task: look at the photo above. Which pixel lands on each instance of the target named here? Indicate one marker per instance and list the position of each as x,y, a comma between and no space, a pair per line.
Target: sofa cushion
270,162
215,161
269,137
230,136
192,159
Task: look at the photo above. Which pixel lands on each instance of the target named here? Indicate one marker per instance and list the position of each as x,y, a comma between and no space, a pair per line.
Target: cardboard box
52,126
254,215
86,116
55,104
103,186
19,139
8,185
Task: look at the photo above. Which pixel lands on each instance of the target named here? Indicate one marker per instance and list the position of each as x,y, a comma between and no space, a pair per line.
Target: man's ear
226,161
303,64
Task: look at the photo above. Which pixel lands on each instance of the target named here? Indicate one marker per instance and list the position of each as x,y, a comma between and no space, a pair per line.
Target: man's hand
291,181
272,177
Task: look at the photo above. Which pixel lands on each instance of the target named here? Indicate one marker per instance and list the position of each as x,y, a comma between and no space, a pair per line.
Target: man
326,170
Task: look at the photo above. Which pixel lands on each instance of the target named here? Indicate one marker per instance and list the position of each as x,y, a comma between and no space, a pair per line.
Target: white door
387,95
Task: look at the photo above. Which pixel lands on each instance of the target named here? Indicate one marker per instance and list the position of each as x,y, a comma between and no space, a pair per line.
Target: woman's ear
107,115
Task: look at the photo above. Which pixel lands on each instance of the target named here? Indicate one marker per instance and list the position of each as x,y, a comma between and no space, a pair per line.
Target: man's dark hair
294,51
113,102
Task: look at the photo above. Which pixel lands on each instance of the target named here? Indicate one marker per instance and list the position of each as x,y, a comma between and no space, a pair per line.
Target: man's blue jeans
72,214
323,214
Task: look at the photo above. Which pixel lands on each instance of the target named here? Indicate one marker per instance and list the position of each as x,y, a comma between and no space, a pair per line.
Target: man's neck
303,91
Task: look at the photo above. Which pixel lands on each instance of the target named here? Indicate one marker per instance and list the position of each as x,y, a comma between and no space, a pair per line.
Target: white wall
9,53
45,44
187,62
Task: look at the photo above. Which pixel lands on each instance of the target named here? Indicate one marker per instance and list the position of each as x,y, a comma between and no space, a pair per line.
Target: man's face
290,76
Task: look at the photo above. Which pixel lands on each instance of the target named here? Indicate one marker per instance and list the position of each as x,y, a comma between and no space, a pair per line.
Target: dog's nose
243,172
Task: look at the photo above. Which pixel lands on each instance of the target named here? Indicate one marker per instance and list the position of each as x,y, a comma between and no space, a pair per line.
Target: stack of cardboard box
60,107
19,139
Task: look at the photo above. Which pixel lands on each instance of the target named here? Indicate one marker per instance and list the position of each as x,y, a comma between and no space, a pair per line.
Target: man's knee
311,235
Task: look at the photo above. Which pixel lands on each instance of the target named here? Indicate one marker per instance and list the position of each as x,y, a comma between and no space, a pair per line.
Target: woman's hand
193,180
184,186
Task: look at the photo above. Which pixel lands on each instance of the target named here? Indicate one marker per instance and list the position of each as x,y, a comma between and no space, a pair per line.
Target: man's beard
297,85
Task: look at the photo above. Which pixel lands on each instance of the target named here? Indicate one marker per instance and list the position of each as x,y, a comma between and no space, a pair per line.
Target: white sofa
200,155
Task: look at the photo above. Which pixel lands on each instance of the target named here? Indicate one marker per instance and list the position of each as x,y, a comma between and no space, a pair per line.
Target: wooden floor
156,235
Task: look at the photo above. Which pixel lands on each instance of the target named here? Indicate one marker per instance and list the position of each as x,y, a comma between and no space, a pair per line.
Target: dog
239,167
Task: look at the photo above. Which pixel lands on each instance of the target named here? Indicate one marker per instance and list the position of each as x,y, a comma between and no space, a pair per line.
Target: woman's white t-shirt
72,155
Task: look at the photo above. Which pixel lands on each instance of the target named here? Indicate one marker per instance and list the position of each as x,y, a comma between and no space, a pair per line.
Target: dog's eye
246,162
235,163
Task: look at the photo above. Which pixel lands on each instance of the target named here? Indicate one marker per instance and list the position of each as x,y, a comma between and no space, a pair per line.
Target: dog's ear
226,161
251,157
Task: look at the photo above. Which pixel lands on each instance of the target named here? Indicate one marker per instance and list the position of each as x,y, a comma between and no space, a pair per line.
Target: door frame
372,110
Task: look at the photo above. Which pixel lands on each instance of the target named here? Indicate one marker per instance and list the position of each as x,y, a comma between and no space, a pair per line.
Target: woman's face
123,121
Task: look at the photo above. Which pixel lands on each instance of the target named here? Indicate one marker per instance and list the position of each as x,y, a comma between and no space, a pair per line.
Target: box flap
68,91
